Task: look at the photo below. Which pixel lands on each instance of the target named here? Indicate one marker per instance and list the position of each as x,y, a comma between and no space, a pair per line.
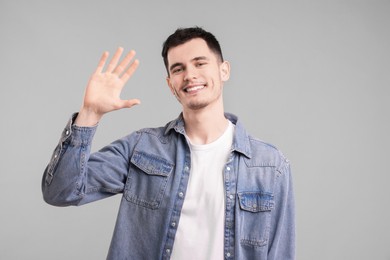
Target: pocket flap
256,201
152,164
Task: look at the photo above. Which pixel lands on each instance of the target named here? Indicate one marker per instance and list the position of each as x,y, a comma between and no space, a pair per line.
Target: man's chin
197,106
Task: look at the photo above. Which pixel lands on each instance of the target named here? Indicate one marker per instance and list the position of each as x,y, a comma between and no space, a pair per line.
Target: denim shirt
151,167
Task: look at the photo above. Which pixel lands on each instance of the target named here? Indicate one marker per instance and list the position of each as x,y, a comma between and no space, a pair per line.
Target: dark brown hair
183,35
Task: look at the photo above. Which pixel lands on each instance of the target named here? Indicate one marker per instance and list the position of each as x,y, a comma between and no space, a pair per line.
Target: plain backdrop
311,77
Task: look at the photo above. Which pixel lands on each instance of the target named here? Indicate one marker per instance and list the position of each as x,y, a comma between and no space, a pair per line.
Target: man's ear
225,71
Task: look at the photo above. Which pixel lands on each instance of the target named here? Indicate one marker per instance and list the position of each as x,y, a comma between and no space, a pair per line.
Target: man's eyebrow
200,58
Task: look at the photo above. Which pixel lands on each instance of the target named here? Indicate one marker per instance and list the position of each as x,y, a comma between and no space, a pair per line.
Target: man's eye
200,64
178,70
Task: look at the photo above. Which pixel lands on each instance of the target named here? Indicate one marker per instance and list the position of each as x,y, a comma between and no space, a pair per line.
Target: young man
198,188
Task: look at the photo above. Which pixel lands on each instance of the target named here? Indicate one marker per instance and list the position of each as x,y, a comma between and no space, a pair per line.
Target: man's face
196,75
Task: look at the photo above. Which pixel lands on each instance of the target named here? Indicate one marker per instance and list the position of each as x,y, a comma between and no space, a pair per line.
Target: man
198,188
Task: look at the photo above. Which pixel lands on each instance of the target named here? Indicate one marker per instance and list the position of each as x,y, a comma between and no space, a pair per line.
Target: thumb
129,103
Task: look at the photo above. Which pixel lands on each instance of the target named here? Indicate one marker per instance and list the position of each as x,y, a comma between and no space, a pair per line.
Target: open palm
102,94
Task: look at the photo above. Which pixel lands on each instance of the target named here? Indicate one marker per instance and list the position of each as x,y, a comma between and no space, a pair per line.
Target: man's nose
190,73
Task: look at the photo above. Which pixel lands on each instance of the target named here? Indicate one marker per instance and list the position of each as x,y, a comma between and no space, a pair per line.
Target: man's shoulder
162,133
152,130
261,145
257,151
163,129
264,153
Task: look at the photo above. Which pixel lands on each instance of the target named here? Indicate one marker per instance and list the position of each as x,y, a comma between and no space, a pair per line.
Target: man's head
183,35
196,71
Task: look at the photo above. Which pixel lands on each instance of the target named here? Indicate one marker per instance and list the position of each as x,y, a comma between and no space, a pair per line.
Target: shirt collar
240,139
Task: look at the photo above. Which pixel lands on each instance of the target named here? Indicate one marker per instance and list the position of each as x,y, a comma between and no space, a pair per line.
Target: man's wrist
87,118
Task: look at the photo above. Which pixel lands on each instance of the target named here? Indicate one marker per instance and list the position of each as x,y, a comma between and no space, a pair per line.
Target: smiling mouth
192,89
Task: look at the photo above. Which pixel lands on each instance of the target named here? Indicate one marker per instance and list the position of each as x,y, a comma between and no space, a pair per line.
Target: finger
129,72
114,60
102,61
124,63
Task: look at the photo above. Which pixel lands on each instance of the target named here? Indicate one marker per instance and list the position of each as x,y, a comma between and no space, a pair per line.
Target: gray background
311,77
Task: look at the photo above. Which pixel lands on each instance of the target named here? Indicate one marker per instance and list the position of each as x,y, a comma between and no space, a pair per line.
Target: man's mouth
193,88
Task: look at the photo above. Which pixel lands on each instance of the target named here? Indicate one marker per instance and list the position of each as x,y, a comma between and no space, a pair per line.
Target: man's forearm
61,179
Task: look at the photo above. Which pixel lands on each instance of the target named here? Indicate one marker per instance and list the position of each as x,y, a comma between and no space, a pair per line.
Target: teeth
194,88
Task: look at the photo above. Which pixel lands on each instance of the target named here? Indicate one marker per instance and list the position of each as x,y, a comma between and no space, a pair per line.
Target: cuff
77,135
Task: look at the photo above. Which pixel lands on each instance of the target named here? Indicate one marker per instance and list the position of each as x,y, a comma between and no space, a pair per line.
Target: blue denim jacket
151,168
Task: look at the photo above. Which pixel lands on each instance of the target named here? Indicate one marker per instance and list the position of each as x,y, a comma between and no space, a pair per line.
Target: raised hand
102,94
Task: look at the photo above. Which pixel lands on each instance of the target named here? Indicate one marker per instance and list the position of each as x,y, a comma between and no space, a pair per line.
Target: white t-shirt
200,232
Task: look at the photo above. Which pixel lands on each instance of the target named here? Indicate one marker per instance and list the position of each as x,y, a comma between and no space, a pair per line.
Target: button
173,224
228,168
228,254
168,251
67,132
55,156
181,194
231,196
186,168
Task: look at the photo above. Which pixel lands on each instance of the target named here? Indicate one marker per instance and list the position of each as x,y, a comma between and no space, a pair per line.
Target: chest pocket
255,210
256,201
147,179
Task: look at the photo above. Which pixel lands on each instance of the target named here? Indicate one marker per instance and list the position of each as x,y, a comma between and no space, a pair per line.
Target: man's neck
204,126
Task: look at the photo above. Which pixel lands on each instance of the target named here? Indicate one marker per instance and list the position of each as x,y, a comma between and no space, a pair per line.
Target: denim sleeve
282,235
74,176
